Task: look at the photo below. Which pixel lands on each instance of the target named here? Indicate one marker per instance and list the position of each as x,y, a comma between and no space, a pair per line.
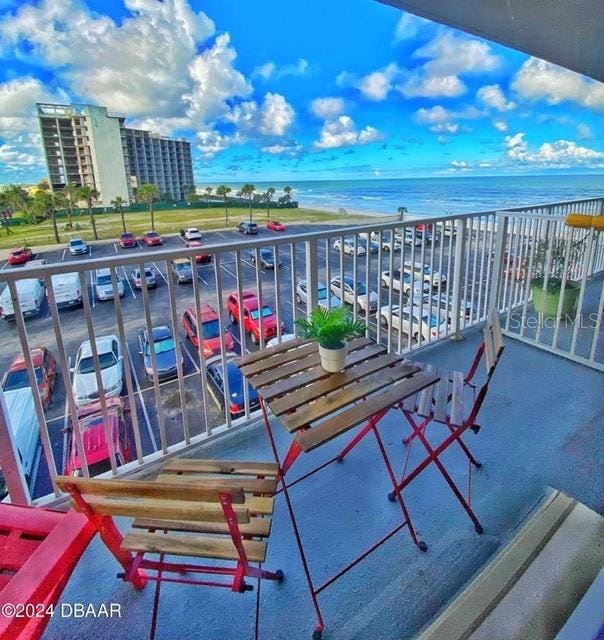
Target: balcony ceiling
569,34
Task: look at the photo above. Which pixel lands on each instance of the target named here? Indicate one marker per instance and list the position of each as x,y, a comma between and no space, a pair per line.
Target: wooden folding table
316,406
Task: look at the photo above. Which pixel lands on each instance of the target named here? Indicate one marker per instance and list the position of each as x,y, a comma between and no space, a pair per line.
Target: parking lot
149,415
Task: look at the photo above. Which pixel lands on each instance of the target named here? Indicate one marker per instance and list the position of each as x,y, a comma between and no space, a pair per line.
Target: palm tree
248,191
118,204
288,194
192,194
6,212
59,201
70,191
402,211
89,195
208,194
148,193
223,191
43,205
270,192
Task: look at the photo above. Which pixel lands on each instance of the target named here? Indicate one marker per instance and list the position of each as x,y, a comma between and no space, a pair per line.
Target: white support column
312,275
458,268
501,234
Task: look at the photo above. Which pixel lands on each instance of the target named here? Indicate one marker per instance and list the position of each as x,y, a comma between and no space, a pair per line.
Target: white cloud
376,85
434,115
210,142
441,119
425,86
459,166
13,156
500,125
540,80
342,132
446,127
327,108
583,132
283,149
493,97
408,26
276,115
561,153
271,70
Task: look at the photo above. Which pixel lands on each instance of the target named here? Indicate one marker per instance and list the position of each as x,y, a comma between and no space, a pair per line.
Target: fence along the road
448,292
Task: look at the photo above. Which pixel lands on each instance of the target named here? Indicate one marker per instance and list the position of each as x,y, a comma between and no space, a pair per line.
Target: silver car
354,293
103,287
324,298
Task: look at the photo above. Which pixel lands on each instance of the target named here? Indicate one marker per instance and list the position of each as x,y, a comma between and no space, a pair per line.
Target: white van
67,290
31,297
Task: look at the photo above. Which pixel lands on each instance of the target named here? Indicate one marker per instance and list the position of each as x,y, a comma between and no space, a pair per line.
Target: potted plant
546,299
331,328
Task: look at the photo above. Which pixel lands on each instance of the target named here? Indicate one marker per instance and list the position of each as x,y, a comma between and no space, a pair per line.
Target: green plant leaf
331,328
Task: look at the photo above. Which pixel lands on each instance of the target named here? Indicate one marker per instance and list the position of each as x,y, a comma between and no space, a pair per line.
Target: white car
103,287
150,278
387,240
31,297
408,320
348,246
77,247
285,337
324,298
409,237
445,305
354,295
111,363
191,233
406,283
67,289
426,273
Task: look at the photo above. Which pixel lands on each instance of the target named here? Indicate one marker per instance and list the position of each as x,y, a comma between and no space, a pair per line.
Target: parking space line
221,235
115,247
161,273
184,346
63,255
140,397
128,281
228,271
200,277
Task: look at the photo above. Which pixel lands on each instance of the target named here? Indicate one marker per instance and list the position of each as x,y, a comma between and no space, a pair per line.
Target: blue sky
271,90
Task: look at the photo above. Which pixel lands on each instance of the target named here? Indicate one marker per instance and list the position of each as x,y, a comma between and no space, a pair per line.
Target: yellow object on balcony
597,223
578,220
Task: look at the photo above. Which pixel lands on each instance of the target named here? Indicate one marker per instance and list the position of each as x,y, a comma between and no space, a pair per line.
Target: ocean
438,196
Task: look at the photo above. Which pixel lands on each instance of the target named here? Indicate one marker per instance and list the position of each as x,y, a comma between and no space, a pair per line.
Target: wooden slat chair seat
213,510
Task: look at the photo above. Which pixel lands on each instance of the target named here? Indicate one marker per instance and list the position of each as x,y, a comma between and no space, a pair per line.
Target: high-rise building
87,145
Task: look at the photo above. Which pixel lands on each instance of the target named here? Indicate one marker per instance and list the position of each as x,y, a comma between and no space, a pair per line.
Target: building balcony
540,419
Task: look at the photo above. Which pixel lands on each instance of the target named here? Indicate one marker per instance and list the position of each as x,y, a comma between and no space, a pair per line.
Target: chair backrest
493,342
155,499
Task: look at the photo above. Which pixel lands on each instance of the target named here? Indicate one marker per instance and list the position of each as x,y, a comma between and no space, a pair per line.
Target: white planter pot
333,360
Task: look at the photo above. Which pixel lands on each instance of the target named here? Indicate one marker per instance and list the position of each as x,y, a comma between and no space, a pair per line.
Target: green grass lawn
109,225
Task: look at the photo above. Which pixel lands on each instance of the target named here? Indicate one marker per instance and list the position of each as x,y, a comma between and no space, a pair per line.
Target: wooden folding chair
204,509
447,403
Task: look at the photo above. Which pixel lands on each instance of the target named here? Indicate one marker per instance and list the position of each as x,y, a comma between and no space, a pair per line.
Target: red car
19,256
210,329
128,240
202,257
45,369
275,225
151,239
96,450
255,321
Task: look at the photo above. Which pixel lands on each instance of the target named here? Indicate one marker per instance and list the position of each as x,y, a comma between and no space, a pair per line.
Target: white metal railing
413,282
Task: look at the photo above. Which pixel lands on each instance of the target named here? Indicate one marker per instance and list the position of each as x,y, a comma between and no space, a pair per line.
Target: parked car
181,268
151,239
247,228
354,294
19,256
409,285
426,273
266,258
285,337
77,247
372,246
210,329
256,322
103,287
45,369
165,352
191,233
96,449
348,246
408,236
275,225
408,320
450,228
31,298
232,303
85,389
150,278
444,304
325,299
203,256
128,240
216,376
387,242
66,287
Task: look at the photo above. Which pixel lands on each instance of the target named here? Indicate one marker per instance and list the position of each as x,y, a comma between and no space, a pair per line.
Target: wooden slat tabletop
317,405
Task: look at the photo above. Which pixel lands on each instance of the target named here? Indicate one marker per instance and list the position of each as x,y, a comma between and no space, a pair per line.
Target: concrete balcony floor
541,427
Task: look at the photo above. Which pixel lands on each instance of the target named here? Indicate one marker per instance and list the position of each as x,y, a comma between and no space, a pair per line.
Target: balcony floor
540,428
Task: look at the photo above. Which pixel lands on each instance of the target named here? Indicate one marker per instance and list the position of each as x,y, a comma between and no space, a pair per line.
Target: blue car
215,375
165,352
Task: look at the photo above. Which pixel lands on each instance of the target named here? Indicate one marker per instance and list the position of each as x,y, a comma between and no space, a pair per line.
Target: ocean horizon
438,196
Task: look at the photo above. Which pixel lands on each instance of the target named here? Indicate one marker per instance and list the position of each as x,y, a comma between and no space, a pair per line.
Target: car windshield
322,293
161,346
431,320
19,379
266,253
75,243
127,236
427,271
103,280
182,266
266,311
211,329
90,422
361,289
106,360
151,234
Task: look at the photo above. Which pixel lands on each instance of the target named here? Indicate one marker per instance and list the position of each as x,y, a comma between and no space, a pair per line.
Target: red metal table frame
317,406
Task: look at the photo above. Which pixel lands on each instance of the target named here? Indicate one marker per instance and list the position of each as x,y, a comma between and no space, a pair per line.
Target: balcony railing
413,283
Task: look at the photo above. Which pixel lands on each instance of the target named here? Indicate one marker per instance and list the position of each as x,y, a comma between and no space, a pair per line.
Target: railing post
501,234
458,268
9,460
312,275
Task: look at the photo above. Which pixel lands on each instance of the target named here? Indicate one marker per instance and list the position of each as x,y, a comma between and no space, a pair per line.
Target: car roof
113,405
245,293
105,271
16,249
181,261
126,233
103,344
161,333
18,362
76,240
206,311
150,232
